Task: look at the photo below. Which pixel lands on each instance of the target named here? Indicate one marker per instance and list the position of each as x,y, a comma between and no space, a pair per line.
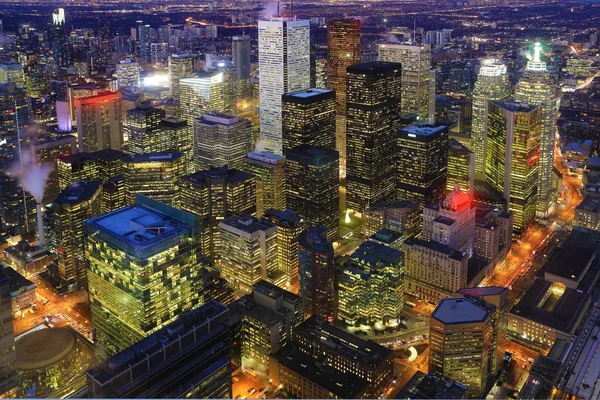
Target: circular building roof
43,348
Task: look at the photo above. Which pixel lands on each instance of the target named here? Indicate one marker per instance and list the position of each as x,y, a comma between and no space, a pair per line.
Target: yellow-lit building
289,227
143,272
180,66
461,167
201,94
268,168
143,130
396,215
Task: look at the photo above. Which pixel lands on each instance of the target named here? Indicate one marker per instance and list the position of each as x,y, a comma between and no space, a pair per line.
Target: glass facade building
99,123
143,129
268,168
289,227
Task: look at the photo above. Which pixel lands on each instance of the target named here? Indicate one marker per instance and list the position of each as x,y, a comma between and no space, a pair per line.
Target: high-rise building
99,123
451,222
492,84
203,93
289,227
241,60
468,337
143,129
76,204
422,163
433,270
537,87
308,117
343,46
401,216
104,165
159,247
416,63
372,122
199,341
213,196
8,356
47,150
144,41
512,157
221,140
461,167
155,175
372,285
180,66
249,252
312,186
180,138
268,168
127,74
12,72
316,272
284,67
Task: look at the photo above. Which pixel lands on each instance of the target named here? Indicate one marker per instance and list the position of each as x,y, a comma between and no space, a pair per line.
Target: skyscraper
8,373
316,272
372,122
201,94
343,45
422,163
240,58
416,63
152,366
127,74
221,139
249,252
308,117
158,246
284,66
155,175
312,183
512,157
143,128
180,66
289,227
461,167
214,195
180,139
268,168
536,87
99,123
79,202
492,84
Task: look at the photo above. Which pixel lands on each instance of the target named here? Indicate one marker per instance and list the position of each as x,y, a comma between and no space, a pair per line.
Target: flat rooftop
432,386
318,156
374,67
571,262
16,281
459,310
228,175
423,129
266,157
154,157
78,192
308,96
248,224
441,248
514,106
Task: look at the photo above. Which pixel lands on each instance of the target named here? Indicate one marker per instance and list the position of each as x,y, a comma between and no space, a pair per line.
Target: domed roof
44,347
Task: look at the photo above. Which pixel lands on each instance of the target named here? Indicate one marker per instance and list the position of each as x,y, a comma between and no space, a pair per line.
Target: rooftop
285,217
423,129
201,178
318,156
441,248
571,262
250,308
266,157
458,147
308,96
314,239
78,192
483,291
17,281
217,118
432,386
248,224
374,67
514,106
589,203
154,157
459,310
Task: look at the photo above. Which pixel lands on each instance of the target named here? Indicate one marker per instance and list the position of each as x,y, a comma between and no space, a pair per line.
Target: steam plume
31,174
270,10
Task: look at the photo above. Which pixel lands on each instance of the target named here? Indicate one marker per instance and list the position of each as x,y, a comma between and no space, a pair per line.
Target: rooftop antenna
415,29
292,8
278,14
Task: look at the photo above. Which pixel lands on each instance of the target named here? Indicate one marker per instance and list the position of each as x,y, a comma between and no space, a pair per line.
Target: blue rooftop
309,93
423,129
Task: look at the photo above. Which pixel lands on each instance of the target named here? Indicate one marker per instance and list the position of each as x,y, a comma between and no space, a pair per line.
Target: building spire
537,49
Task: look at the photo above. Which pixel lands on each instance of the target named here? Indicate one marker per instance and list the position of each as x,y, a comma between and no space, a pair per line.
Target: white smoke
391,38
526,54
270,10
260,145
31,174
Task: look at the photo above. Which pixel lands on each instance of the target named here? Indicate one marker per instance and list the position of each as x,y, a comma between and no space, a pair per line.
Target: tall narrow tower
284,66
537,87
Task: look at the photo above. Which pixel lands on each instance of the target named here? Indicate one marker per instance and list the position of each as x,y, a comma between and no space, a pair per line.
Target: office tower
492,84
82,166
312,185
180,66
372,122
461,167
433,386
16,205
143,38
433,270
240,57
221,140
159,247
76,204
416,63
249,252
200,341
343,46
422,163
315,272
537,87
268,168
512,157
155,175
143,129
47,150
8,373
62,49
214,287
323,361
283,52
396,215
372,285
451,222
266,319
12,72
203,93
289,227
308,117
114,194
213,196
180,139
127,74
99,123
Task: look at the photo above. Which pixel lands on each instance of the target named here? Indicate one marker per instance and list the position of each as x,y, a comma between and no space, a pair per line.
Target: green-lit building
512,157
143,272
